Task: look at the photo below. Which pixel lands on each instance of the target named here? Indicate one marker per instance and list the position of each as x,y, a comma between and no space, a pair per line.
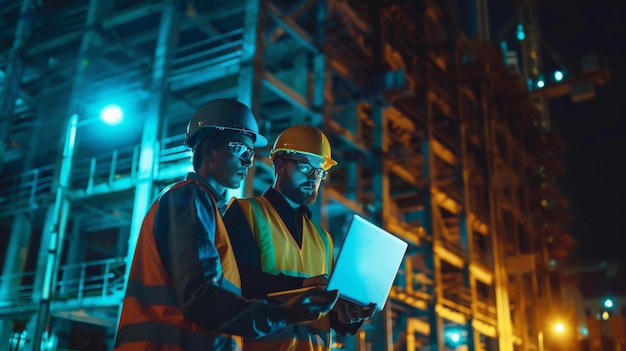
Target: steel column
251,64
149,151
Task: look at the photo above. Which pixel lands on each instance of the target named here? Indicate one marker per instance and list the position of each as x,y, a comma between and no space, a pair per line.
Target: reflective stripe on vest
151,318
281,254
162,336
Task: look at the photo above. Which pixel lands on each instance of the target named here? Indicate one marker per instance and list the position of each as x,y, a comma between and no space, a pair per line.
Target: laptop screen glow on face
367,264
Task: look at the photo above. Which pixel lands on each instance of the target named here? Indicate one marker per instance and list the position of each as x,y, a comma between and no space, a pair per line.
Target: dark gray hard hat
224,114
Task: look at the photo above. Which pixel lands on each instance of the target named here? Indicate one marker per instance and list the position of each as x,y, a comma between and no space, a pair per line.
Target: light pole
57,230
58,220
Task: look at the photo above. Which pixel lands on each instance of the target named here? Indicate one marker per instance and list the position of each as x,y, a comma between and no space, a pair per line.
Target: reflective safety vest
151,318
280,253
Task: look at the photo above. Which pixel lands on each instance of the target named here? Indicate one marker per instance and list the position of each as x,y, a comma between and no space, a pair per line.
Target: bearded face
297,178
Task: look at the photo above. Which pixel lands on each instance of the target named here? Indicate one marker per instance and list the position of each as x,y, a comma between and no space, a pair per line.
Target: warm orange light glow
559,328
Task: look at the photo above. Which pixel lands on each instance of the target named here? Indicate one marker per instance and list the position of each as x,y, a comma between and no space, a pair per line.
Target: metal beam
168,32
113,21
292,28
181,81
285,92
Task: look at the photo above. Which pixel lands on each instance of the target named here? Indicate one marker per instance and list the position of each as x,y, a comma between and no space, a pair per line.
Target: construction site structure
436,139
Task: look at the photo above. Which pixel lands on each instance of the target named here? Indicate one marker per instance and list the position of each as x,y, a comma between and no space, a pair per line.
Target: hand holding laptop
350,312
311,304
347,312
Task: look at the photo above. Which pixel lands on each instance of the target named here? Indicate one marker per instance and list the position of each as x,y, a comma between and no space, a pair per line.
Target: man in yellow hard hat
278,247
184,288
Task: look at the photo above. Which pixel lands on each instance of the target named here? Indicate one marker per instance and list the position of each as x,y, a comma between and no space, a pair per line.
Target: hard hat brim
259,140
328,162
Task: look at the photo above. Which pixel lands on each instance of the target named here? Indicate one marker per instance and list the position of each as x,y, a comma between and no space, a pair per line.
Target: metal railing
90,279
17,289
173,150
25,191
101,278
33,188
104,168
486,310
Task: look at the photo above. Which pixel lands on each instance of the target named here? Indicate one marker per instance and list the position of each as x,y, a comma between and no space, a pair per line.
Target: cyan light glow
111,115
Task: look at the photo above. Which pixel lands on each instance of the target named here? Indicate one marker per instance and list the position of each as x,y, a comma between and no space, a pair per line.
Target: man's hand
310,305
350,312
318,280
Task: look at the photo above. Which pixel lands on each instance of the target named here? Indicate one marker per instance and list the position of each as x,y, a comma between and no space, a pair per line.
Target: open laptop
366,266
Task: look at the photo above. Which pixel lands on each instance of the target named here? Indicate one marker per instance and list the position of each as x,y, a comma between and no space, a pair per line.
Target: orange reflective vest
281,254
151,318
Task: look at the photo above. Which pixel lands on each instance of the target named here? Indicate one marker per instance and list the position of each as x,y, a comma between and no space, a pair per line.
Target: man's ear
207,151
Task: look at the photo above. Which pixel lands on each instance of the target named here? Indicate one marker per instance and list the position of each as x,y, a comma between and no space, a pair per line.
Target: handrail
33,188
25,189
100,278
173,149
104,168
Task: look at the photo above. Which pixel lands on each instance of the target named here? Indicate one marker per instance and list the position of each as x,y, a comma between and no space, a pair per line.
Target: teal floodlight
558,76
111,115
455,337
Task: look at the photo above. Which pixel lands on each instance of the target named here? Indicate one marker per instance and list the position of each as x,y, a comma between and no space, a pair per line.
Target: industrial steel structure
438,140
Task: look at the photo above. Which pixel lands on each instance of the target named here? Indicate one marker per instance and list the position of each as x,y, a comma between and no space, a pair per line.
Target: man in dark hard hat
184,287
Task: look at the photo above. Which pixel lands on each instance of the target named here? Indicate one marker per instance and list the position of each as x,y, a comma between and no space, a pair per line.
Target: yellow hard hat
305,140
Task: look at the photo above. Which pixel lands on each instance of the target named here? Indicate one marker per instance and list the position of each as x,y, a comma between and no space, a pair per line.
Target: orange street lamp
559,328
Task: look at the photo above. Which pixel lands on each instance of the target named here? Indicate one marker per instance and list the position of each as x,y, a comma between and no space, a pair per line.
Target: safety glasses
242,151
308,169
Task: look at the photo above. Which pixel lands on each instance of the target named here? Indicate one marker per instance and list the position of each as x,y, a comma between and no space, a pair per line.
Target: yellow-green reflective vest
281,254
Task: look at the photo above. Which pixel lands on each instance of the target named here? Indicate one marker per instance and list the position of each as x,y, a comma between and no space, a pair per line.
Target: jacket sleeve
343,329
185,234
254,282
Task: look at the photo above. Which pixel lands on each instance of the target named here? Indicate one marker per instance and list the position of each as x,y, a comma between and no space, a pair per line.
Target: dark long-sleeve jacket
184,285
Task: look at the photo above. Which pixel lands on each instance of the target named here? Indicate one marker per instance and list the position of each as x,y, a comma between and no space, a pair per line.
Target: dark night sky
594,131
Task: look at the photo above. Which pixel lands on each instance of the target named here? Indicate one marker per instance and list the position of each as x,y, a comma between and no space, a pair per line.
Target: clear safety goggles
242,151
308,169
